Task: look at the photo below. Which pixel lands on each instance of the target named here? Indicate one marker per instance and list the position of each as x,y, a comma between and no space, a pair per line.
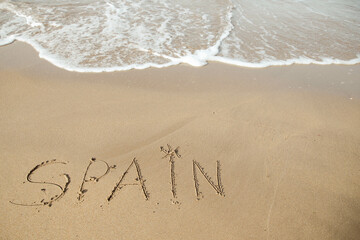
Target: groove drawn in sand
82,190
171,154
276,188
217,187
54,198
140,178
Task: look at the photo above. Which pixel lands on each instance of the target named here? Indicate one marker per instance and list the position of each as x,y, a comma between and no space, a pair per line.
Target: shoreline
342,80
286,139
192,60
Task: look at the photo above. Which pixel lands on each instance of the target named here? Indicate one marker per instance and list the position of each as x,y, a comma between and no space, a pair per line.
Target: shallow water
95,36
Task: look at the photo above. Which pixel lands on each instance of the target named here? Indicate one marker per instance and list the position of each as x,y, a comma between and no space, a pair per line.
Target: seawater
112,35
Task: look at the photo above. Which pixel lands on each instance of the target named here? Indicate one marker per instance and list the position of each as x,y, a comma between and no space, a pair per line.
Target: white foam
63,63
106,36
200,58
6,41
29,19
300,60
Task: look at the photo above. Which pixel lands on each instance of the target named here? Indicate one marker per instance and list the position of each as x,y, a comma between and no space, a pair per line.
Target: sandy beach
269,153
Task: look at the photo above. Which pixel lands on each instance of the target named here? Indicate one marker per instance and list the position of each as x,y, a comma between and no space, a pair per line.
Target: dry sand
287,139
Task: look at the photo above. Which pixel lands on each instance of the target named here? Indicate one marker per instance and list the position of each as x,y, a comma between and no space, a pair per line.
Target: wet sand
286,140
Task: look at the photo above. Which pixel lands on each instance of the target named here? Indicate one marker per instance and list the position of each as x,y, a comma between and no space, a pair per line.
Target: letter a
120,185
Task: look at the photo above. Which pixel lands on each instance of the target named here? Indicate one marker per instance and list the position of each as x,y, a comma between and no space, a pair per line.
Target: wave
106,36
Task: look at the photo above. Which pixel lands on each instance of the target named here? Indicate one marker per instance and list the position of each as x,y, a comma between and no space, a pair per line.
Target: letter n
217,187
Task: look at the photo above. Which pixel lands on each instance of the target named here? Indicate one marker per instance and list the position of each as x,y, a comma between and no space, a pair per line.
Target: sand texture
217,152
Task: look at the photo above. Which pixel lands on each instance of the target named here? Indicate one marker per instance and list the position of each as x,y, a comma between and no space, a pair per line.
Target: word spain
170,153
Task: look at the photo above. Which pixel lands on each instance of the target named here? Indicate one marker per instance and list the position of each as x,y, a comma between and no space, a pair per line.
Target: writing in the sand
169,152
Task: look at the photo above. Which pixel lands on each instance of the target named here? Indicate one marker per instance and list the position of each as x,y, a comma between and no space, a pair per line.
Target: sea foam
105,36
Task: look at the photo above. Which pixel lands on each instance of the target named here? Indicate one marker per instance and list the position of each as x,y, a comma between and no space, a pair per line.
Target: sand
286,139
